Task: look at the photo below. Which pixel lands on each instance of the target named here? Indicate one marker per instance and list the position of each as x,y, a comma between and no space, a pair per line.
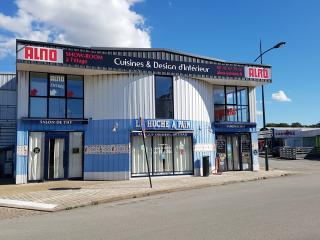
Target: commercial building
81,110
8,98
292,137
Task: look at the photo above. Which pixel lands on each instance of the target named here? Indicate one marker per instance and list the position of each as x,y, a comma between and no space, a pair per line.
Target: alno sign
77,57
41,54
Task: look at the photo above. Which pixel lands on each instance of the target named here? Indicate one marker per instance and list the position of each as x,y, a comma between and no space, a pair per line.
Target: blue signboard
163,124
234,126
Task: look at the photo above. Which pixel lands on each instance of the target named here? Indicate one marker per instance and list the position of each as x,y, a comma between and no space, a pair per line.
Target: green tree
296,124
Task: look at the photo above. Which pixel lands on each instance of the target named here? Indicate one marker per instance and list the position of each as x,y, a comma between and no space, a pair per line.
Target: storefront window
75,86
234,152
38,107
57,107
65,96
75,108
218,95
231,95
182,154
38,84
164,97
166,155
139,162
57,85
162,152
231,104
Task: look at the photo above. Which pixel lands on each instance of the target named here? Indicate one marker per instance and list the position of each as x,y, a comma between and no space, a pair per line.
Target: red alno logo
262,73
41,54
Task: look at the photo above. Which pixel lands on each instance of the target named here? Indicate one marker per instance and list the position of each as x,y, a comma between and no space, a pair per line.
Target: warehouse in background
306,141
79,110
8,98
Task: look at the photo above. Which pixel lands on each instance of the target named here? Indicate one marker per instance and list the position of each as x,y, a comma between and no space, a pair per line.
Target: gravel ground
7,213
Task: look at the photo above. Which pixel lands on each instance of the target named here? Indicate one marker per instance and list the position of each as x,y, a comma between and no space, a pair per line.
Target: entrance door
56,157
234,152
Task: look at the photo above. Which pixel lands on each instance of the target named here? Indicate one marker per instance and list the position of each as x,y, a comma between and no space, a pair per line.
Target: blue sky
228,30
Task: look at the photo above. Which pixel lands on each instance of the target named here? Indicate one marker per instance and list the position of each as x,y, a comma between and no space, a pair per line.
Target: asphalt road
279,208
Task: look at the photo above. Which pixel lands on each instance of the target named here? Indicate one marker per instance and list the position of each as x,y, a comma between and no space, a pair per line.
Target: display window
55,96
167,155
231,104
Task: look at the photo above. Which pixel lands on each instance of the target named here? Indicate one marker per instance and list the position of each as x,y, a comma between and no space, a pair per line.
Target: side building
81,110
8,99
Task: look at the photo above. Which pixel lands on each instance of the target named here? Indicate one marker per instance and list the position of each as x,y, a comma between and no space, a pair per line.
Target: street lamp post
278,45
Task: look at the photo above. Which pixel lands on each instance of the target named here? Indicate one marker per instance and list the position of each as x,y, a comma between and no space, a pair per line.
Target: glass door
235,153
229,153
56,158
56,164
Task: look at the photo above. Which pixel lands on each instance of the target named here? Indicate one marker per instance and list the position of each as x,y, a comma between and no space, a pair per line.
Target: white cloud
105,23
280,96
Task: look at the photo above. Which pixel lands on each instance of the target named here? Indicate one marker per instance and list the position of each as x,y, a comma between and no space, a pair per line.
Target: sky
228,30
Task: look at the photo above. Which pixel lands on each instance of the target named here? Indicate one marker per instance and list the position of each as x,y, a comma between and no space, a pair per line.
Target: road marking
26,204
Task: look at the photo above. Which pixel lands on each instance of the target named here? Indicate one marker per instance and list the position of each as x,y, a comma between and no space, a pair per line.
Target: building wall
116,100
8,99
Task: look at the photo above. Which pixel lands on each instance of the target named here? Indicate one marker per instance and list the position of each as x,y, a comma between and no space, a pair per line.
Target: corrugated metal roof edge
139,49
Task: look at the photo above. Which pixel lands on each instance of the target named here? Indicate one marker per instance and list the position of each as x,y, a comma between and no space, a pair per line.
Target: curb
170,190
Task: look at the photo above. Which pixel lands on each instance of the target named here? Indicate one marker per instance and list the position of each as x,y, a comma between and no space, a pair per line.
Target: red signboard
258,72
41,54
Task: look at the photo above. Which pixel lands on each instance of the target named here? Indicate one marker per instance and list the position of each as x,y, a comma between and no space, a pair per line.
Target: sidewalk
62,195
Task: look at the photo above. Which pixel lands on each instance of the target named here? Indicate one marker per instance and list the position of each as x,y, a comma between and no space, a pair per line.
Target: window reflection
75,86
231,104
38,107
66,96
57,107
38,84
164,96
75,108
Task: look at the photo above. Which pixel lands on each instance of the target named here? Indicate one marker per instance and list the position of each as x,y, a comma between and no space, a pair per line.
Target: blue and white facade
121,96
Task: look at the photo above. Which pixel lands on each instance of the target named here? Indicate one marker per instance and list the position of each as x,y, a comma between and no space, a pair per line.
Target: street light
278,45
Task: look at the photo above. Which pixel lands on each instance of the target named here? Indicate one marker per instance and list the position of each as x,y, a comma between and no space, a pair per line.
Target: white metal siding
23,94
193,100
252,104
7,81
119,96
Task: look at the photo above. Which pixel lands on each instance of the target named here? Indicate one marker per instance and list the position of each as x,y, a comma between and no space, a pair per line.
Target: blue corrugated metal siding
99,132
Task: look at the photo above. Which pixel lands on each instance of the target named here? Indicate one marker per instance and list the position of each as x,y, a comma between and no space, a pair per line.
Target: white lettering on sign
164,124
128,63
41,54
56,122
107,149
257,72
157,124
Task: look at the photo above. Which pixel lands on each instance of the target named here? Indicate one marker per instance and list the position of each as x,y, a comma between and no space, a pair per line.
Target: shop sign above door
163,124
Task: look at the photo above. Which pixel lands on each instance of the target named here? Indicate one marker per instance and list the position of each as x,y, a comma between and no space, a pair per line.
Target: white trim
26,204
